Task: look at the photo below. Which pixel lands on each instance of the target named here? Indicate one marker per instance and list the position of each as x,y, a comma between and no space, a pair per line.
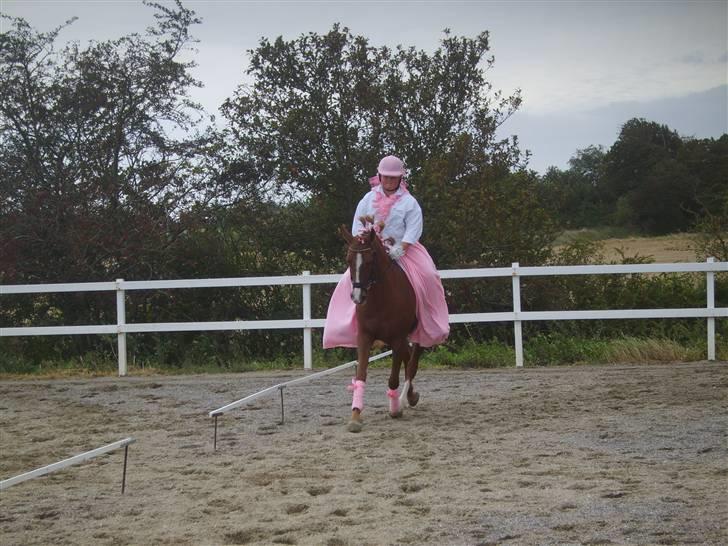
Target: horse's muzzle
358,294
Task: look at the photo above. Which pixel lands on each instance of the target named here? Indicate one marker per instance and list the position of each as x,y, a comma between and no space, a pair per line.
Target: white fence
122,328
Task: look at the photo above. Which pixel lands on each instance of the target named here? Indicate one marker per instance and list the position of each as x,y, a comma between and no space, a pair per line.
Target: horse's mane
370,226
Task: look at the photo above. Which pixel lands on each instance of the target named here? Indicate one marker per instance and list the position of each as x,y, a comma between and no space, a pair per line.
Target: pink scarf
384,203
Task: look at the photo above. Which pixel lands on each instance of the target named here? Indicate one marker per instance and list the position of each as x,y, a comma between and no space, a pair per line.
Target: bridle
374,276
373,279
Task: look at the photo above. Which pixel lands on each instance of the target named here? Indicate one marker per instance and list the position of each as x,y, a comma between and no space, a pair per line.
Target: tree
485,217
573,194
643,179
103,168
711,239
323,109
706,160
94,186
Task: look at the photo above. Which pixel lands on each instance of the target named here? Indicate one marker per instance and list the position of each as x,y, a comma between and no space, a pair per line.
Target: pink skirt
433,325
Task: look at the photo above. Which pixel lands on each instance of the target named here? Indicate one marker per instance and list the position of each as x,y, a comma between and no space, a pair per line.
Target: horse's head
361,259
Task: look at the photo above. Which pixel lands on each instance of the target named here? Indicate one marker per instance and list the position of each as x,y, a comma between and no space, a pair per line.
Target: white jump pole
280,386
71,461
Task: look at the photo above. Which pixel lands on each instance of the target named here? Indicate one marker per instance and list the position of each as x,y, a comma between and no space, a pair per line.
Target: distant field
664,249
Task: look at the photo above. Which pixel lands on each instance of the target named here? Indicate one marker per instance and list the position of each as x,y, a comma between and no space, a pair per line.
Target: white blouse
404,223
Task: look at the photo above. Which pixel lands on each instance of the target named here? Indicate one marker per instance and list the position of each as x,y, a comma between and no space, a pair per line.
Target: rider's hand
396,251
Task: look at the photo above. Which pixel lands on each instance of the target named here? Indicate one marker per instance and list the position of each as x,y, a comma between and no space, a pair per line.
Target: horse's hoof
412,400
354,426
396,415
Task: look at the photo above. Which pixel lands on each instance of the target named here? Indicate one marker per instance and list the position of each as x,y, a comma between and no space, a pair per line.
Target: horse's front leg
400,354
358,384
410,372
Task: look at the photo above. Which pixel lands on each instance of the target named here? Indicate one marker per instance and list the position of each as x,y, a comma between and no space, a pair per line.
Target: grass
539,350
105,365
592,234
545,350
471,355
618,242
641,350
553,350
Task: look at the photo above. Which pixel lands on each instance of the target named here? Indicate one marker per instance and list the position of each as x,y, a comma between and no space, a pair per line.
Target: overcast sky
584,68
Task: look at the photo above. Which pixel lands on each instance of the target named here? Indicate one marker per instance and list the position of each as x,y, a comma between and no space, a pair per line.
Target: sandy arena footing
621,454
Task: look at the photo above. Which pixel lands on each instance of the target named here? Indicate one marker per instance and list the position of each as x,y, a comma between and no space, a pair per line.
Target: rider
390,203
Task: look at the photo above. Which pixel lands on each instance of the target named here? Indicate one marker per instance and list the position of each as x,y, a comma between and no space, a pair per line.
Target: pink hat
391,166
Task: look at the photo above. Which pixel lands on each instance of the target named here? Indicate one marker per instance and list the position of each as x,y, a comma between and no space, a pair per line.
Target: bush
493,354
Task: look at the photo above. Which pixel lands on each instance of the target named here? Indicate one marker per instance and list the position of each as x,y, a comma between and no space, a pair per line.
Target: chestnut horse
385,311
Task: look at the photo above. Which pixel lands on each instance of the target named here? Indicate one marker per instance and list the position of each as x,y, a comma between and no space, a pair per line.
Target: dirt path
577,455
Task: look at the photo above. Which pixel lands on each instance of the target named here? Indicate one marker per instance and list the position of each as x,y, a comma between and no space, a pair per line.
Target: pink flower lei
384,203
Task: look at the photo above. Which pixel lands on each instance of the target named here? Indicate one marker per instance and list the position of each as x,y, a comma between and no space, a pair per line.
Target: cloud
694,57
555,137
699,58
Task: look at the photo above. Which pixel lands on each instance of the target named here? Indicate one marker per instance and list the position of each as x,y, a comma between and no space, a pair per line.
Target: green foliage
94,187
323,109
559,349
638,291
556,348
480,214
650,181
88,363
641,165
573,196
493,354
108,172
711,239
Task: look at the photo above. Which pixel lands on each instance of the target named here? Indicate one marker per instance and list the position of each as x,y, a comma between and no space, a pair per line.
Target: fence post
518,332
710,290
307,352
121,321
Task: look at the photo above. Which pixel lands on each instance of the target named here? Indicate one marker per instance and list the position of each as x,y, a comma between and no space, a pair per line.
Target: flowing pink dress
433,325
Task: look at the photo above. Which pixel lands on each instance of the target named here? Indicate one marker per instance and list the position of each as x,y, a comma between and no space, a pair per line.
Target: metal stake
214,441
283,415
123,478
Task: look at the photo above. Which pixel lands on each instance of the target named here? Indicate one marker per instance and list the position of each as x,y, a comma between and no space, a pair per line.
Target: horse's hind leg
400,354
409,375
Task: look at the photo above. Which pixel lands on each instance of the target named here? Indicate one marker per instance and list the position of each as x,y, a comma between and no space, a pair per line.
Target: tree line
110,170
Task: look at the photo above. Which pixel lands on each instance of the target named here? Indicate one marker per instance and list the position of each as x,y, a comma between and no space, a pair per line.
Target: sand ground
628,454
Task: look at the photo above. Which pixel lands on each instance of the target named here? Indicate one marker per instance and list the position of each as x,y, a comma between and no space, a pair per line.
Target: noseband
372,280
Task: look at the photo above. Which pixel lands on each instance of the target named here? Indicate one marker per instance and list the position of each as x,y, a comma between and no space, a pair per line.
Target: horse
385,311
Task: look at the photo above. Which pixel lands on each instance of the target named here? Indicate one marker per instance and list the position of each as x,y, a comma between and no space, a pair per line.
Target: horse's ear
344,232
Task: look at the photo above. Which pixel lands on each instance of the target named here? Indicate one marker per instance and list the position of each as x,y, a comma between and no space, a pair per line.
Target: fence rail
306,323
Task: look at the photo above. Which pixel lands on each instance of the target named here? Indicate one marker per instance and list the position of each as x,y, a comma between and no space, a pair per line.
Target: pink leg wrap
393,396
357,387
